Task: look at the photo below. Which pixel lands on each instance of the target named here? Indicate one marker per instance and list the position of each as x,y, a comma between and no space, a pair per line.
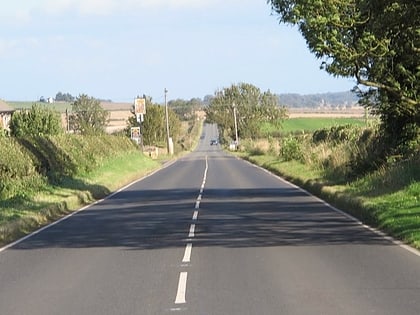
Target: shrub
336,134
18,174
38,121
291,149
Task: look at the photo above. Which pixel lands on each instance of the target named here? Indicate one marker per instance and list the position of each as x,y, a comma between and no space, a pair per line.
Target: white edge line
83,208
182,288
345,214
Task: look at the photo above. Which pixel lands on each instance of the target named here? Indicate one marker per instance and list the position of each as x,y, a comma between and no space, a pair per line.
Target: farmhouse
5,115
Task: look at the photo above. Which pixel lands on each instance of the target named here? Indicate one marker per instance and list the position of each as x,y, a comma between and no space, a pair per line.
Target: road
209,234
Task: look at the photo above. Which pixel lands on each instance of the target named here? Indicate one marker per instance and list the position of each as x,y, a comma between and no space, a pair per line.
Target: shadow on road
152,219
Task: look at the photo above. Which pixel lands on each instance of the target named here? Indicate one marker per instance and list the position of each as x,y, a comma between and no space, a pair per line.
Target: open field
314,123
305,119
356,112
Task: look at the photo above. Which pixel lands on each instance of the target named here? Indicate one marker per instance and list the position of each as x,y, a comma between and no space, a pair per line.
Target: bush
336,134
291,149
18,174
26,164
38,121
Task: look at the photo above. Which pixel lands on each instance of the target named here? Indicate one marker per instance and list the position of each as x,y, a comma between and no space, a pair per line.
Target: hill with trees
318,100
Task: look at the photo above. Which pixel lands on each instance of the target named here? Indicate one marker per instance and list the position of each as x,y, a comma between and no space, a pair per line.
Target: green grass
309,124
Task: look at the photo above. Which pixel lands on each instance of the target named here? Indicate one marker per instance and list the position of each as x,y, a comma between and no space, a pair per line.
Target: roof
4,107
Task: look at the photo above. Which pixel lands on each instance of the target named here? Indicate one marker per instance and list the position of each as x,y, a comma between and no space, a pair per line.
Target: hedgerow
27,164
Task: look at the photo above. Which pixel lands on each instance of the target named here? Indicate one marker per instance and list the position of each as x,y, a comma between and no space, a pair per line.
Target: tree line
87,117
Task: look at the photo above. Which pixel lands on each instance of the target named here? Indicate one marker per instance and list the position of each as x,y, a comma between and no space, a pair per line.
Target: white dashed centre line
187,254
192,231
195,216
182,288
182,283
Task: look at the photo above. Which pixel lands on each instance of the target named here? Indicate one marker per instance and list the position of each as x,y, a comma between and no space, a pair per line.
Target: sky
118,49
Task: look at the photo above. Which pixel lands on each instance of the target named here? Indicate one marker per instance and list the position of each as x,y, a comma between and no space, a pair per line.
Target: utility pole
236,126
167,123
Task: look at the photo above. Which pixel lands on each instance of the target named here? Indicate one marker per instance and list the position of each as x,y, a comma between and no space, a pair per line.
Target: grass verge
23,215
386,199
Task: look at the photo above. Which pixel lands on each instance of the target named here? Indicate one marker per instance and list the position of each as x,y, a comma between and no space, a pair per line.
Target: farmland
314,123
300,119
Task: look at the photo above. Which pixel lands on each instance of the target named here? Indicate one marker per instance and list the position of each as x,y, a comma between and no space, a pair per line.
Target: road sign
140,106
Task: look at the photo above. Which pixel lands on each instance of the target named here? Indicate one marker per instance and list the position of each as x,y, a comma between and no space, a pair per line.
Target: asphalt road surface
209,234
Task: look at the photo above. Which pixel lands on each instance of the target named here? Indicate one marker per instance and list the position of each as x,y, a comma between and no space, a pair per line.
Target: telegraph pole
236,126
167,123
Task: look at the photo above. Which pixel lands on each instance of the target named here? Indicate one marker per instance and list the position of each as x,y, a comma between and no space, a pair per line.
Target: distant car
214,142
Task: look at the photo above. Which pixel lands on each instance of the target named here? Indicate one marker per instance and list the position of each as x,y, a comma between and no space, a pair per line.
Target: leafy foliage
185,109
336,134
26,164
88,117
291,149
37,121
376,42
253,107
18,174
153,128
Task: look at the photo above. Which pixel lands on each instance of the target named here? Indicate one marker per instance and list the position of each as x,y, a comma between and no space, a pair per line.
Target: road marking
192,230
182,283
187,254
195,215
182,288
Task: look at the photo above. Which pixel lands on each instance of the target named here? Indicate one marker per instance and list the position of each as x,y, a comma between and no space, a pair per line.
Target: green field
57,106
310,124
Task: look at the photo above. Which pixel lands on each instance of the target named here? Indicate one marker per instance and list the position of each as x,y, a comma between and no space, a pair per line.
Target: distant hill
323,100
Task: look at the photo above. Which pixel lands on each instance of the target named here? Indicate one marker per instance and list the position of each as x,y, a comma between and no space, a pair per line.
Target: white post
167,124
236,126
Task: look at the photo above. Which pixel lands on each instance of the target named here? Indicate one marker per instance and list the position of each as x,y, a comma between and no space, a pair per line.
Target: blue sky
117,49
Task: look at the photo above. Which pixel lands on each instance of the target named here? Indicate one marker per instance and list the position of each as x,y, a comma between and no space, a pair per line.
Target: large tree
88,117
377,43
251,105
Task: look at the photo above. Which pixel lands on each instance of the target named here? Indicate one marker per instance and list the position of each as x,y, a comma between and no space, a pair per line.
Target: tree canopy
185,109
64,97
88,117
377,43
252,107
